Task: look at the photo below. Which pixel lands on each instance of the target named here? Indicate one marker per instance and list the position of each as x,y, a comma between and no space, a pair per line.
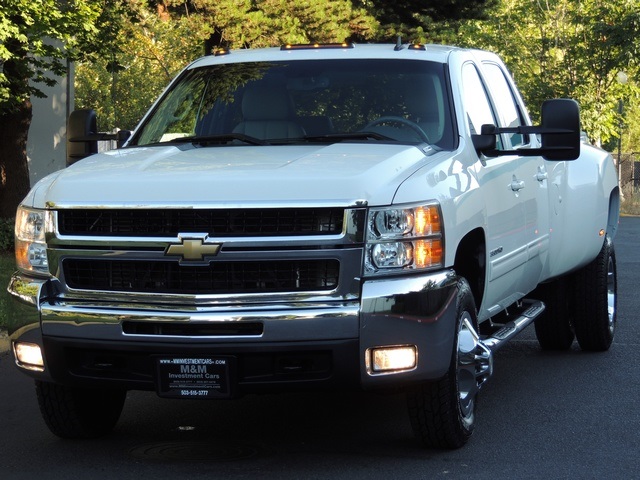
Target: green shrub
6,234
7,267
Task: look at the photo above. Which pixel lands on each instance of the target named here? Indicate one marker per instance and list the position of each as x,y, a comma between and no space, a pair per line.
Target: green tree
564,48
147,49
630,128
413,12
156,39
425,21
36,39
251,23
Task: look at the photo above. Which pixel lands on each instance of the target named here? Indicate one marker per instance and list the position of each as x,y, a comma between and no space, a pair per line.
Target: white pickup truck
315,217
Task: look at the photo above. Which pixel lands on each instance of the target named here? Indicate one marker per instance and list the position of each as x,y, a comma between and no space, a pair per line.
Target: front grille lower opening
193,329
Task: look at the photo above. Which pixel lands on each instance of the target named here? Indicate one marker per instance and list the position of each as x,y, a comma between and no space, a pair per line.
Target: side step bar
484,348
532,309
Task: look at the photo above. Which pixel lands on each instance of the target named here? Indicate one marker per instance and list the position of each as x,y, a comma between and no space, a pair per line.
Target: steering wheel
399,120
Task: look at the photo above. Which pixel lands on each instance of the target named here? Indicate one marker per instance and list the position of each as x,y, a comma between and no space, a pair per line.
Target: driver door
504,206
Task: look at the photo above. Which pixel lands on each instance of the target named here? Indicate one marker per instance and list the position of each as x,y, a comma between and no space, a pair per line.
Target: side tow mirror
559,132
81,125
83,135
564,114
122,136
486,140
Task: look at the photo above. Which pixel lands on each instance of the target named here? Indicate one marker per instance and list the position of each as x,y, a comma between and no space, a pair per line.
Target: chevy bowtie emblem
193,249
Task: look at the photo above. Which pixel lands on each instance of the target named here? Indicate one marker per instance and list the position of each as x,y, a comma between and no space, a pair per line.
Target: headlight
404,238
31,248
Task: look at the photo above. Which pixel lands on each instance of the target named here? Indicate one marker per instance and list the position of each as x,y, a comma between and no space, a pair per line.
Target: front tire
596,300
443,412
79,412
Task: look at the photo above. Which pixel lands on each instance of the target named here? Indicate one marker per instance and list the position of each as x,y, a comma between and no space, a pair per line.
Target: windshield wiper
349,136
222,138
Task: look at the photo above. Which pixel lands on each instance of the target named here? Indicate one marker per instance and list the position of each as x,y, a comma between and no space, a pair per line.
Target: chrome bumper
414,311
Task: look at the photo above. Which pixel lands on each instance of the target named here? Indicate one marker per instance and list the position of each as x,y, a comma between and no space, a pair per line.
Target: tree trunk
14,168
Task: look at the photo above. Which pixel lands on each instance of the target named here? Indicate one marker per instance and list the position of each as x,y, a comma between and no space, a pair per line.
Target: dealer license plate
194,377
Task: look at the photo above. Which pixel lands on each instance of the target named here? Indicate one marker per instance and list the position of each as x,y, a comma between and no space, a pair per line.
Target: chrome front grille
289,253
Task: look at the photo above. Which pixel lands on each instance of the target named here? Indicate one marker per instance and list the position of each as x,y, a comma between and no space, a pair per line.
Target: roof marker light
315,46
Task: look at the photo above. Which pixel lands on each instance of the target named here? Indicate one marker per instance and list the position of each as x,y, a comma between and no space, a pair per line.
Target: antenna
398,46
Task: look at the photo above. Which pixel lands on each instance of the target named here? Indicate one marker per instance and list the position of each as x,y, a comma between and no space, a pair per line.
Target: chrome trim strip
357,203
390,288
284,323
26,289
199,302
120,242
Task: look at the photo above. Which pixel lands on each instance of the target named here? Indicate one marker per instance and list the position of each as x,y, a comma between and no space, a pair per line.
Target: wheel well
470,262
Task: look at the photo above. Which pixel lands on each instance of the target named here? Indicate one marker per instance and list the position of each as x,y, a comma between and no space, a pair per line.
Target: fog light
29,356
394,358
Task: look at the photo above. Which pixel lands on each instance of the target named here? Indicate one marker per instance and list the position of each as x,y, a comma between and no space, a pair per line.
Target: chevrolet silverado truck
315,217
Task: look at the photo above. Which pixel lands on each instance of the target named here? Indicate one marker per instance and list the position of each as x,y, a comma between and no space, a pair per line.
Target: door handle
542,175
517,185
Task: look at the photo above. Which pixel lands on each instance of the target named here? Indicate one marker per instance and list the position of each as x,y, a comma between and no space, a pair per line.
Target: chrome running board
482,352
532,309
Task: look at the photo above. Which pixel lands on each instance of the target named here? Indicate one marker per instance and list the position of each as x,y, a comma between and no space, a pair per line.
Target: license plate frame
194,377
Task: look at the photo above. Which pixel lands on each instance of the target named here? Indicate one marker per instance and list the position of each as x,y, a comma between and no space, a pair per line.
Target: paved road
542,415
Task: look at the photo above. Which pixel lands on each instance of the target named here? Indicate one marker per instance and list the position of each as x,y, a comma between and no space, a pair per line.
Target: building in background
46,147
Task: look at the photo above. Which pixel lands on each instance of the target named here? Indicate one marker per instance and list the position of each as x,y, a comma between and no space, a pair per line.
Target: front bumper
276,346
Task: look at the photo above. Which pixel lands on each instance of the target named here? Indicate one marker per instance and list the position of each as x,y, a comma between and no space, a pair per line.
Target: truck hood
238,175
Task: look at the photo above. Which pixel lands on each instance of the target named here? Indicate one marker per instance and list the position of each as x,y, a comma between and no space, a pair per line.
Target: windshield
305,101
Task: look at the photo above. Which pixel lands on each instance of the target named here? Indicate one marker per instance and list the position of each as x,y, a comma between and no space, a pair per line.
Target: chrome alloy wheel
474,366
611,294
